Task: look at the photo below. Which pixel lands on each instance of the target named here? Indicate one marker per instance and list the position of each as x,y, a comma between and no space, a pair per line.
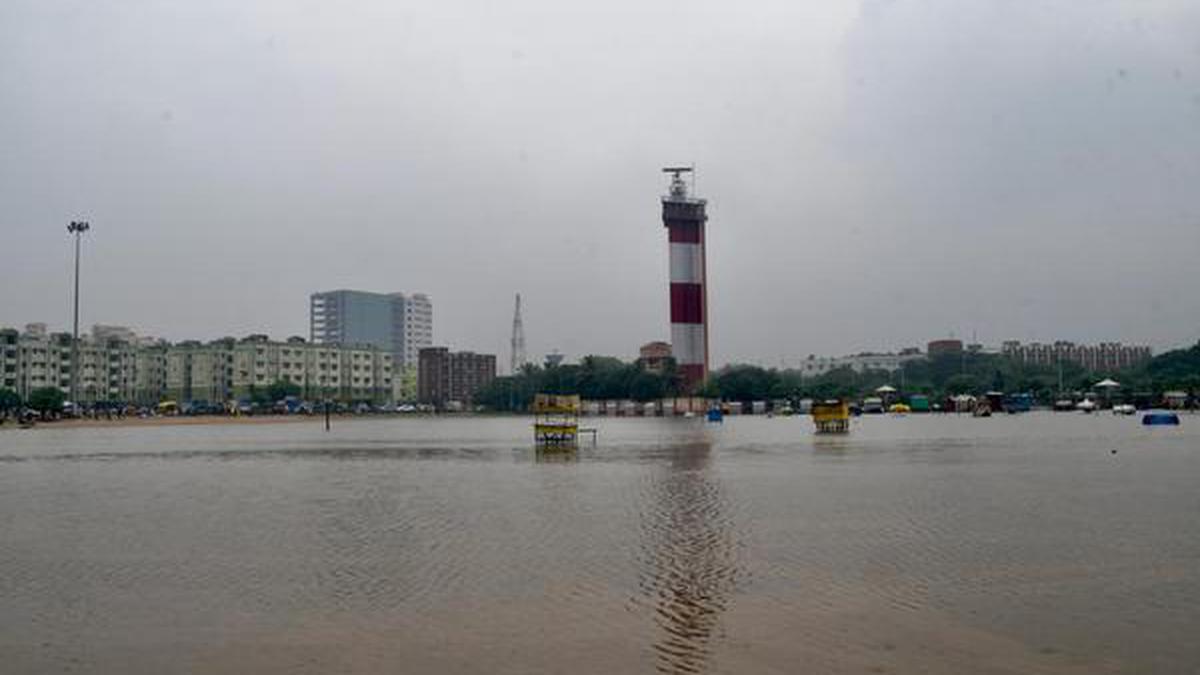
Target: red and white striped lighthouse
684,218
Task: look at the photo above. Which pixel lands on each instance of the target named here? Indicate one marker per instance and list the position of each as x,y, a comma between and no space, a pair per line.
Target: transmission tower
518,339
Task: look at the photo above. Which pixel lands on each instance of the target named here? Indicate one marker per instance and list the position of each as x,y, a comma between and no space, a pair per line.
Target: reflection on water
688,563
931,544
556,455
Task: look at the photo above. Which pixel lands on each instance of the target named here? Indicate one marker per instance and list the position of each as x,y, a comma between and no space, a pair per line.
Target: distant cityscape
363,347
1105,356
376,348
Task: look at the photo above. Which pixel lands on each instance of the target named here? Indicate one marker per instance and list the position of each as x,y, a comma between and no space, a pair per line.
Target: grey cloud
878,174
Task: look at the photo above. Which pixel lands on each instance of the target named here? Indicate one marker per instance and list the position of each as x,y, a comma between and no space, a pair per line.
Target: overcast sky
879,173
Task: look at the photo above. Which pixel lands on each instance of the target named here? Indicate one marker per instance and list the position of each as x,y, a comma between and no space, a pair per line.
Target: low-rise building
653,357
944,347
121,368
814,366
42,360
106,332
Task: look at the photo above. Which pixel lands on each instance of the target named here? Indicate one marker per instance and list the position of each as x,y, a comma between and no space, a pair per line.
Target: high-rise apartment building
418,327
401,323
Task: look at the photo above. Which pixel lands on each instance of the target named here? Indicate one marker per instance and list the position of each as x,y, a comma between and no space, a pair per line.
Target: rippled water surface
916,544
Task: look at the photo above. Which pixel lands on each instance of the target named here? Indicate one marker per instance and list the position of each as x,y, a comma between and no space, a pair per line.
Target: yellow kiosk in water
556,419
831,417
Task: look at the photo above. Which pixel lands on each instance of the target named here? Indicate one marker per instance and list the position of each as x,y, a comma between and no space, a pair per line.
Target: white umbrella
1107,385
886,389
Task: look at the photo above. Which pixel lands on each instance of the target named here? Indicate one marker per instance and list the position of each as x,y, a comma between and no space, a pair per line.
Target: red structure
684,217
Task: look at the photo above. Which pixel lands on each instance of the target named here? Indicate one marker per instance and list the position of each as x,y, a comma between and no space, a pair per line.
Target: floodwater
919,544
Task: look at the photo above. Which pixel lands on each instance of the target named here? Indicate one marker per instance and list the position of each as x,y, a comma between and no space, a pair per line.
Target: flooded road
918,544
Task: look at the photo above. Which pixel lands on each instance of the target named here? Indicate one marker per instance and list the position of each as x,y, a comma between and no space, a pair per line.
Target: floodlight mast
76,228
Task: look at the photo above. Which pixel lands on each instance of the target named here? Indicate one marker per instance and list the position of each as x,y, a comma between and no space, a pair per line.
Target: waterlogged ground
914,545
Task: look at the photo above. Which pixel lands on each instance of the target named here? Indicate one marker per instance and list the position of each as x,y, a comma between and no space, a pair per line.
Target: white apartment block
144,372
226,370
109,369
418,327
814,366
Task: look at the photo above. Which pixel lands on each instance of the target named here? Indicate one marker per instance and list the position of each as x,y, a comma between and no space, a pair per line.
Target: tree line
601,377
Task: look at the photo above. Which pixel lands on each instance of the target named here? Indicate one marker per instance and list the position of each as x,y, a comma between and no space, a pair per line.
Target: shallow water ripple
933,544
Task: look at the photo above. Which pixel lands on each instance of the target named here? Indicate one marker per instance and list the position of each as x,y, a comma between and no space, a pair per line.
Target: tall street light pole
76,228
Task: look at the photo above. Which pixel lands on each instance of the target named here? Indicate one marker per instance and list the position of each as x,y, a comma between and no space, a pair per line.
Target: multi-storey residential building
178,371
944,347
147,371
1102,357
236,370
9,341
654,356
447,379
105,332
359,372
110,368
211,373
150,372
397,322
42,360
819,365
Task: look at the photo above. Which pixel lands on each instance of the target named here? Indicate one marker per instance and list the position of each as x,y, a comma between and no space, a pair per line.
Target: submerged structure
556,420
831,417
684,217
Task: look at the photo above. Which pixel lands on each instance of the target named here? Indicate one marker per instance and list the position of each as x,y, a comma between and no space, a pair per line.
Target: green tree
707,389
745,382
47,400
647,387
408,383
1176,369
280,389
962,384
596,377
9,400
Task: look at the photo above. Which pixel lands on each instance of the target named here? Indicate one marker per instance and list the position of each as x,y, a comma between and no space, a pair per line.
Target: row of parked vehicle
286,406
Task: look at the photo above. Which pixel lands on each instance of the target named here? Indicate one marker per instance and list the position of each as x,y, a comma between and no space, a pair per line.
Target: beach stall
556,420
831,416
